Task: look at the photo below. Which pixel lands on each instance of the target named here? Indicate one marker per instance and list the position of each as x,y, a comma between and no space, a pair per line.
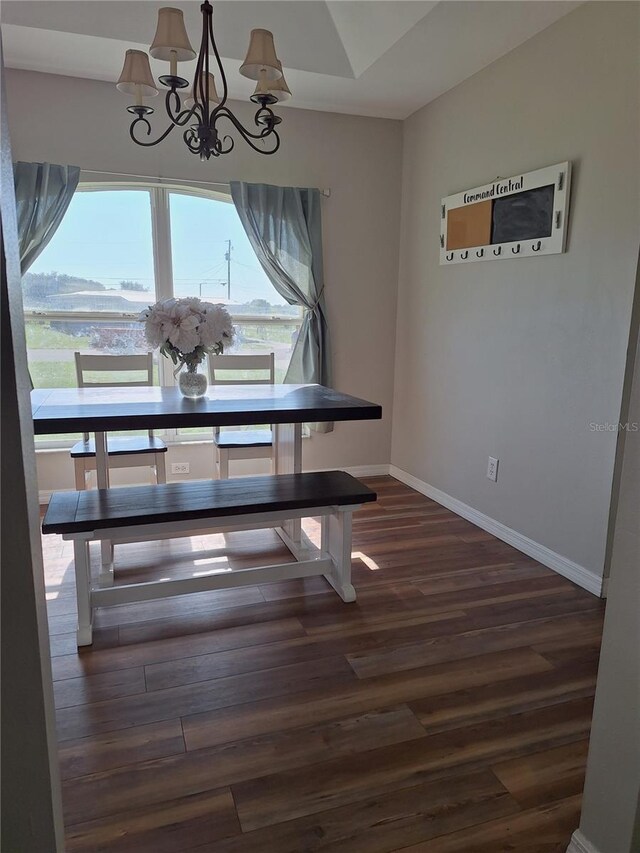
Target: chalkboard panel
523,216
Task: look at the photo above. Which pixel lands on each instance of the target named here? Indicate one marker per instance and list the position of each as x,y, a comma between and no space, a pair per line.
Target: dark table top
62,410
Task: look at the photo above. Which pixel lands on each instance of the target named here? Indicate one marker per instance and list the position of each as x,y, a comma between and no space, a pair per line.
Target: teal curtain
43,193
284,227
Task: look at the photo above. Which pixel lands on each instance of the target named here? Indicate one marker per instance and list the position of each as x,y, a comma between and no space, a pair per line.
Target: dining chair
123,451
231,444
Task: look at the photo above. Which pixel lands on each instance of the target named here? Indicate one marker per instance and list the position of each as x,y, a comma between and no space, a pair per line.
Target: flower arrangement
187,329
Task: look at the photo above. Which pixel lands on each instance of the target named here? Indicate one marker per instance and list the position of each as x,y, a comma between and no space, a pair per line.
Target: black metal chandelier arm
223,76
203,60
136,121
225,112
185,116
248,136
230,144
178,116
172,95
191,141
267,118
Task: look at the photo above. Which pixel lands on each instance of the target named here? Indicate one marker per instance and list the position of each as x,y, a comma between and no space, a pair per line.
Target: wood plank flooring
447,710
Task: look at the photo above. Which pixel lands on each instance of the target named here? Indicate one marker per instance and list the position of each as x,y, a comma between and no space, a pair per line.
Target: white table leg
102,476
336,539
82,568
287,448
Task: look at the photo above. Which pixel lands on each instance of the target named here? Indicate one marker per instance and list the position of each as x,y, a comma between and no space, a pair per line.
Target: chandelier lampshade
195,94
261,59
204,117
136,77
278,88
171,37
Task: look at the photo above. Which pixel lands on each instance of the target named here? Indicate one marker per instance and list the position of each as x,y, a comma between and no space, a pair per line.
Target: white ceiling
368,57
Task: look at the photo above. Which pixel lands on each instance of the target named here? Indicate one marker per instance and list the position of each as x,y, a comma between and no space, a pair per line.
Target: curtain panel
284,227
43,193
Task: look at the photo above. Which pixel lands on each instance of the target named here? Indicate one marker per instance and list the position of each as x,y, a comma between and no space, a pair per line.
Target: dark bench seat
77,512
148,513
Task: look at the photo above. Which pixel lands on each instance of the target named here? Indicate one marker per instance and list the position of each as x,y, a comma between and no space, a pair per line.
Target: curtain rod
325,193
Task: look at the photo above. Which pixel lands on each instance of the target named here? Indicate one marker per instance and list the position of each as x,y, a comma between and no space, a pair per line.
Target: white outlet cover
492,469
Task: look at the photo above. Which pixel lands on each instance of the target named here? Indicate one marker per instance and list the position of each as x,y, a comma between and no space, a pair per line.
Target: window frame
159,193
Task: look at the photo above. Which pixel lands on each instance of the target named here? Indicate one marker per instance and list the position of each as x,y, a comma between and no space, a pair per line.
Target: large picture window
118,249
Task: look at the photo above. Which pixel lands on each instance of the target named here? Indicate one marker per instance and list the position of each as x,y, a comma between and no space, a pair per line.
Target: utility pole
227,258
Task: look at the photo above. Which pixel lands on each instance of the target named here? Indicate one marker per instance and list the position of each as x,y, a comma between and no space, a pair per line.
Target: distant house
117,301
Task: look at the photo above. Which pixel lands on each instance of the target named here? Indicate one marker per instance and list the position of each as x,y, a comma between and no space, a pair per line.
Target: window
120,248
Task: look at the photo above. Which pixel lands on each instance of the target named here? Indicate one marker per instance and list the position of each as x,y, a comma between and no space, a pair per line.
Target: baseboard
368,470
580,844
565,567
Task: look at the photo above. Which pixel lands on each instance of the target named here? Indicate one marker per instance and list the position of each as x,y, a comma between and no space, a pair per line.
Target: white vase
192,382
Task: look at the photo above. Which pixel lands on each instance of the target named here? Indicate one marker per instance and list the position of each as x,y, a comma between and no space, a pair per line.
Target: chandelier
203,112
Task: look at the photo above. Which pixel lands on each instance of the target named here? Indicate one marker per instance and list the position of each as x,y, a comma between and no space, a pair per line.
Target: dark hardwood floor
447,710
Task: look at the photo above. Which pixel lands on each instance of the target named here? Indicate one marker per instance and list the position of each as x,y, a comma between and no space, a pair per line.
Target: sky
106,236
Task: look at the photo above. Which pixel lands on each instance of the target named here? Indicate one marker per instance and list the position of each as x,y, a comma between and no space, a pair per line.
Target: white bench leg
82,566
336,540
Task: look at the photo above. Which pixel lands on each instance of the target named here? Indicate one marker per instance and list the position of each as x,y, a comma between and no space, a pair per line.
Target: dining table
100,410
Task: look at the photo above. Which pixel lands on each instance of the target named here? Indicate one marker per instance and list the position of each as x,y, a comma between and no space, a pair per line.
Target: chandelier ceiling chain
201,114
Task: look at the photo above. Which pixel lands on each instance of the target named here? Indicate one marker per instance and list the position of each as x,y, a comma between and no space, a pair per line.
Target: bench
146,513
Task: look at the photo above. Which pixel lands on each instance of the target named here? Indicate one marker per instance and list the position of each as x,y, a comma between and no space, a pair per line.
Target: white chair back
111,363
264,363
114,363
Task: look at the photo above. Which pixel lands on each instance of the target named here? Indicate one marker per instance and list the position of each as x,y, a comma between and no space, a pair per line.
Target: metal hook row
480,252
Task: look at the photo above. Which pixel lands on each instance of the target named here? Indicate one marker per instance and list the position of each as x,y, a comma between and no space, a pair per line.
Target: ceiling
367,57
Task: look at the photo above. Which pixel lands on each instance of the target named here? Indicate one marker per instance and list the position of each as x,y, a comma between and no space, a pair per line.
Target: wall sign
513,217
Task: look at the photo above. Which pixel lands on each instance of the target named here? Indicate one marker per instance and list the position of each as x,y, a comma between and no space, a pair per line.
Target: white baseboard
565,567
368,470
580,844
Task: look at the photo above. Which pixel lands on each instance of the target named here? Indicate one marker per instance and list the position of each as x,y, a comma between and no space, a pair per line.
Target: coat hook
516,250
464,255
480,253
537,246
442,241
450,257
498,252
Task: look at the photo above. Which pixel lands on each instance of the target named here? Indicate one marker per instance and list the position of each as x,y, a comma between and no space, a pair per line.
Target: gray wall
516,358
85,123
612,789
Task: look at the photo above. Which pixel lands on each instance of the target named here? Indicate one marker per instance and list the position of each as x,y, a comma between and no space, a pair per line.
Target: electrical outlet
492,469
179,467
